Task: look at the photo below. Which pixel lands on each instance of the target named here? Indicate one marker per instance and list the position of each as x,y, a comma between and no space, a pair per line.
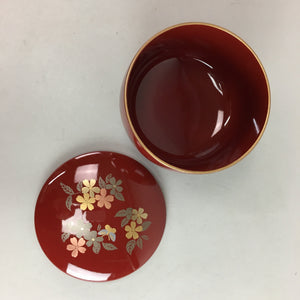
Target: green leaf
79,186
65,236
129,212
139,243
99,227
130,246
108,178
112,180
119,189
119,182
121,213
67,189
69,202
96,247
96,190
119,196
145,225
145,237
99,239
125,221
113,192
109,246
101,183
108,186
89,243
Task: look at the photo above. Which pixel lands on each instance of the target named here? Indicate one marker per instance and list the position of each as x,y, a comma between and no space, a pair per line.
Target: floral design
139,215
109,231
78,227
104,200
92,193
114,186
92,238
79,231
132,230
86,202
76,246
89,187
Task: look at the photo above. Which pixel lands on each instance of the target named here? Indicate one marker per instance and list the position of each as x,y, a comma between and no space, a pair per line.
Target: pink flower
104,200
76,246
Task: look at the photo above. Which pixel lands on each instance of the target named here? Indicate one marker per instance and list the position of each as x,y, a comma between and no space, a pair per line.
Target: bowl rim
136,136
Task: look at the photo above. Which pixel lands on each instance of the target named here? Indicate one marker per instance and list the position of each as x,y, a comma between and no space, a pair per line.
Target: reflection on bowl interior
197,97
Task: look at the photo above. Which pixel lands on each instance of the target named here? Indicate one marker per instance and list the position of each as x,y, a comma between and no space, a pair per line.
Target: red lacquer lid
100,216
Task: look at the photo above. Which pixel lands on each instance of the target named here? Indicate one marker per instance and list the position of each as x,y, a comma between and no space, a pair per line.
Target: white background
232,235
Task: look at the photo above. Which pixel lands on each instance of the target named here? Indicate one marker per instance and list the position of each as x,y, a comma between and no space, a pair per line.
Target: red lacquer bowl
100,216
196,98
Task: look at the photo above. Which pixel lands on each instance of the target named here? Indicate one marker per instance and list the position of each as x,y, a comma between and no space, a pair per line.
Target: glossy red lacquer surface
100,216
197,98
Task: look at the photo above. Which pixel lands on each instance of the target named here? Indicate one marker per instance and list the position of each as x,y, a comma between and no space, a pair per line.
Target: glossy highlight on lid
100,216
232,99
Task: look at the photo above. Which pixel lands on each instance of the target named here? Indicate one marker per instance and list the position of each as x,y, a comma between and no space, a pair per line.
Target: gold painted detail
133,231
77,229
86,202
104,194
93,239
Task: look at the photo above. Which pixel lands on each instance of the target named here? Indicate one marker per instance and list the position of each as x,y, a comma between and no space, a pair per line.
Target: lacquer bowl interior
196,98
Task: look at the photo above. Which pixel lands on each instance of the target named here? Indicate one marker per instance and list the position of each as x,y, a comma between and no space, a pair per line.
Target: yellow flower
86,202
109,231
138,215
89,187
132,230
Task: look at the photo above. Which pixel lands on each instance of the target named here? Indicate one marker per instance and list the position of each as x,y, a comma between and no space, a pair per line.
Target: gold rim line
148,151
